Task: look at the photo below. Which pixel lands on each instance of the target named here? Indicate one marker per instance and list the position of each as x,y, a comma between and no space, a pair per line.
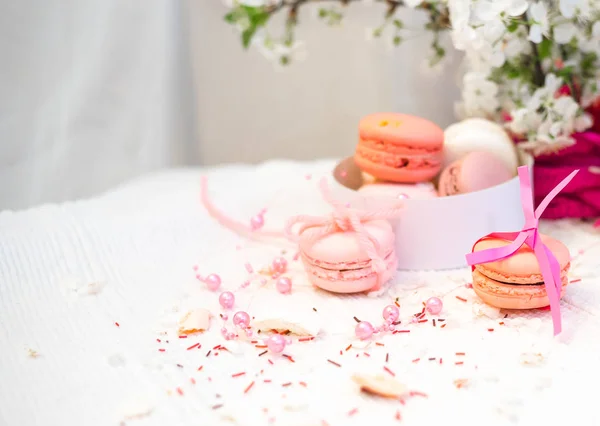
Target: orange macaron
516,282
399,147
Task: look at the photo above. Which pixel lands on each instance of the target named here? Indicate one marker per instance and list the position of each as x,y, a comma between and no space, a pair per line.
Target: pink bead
230,336
279,265
403,196
434,305
364,330
227,299
414,320
213,282
284,285
249,332
276,343
195,268
224,317
275,275
391,313
241,319
257,222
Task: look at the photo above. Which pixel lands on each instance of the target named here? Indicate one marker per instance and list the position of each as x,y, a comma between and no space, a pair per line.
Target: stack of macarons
404,156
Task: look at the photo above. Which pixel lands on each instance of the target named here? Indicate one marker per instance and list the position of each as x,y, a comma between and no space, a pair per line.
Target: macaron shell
510,296
522,267
344,247
476,171
402,130
417,191
349,281
478,134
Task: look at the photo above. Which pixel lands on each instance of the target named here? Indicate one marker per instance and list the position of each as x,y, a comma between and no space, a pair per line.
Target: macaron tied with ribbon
516,282
351,251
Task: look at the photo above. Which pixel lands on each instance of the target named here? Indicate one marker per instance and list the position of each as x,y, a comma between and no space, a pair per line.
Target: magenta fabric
581,199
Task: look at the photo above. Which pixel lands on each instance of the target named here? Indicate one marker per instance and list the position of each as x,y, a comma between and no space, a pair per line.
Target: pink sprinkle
308,177
296,256
249,268
575,281
390,372
161,350
195,268
183,336
353,412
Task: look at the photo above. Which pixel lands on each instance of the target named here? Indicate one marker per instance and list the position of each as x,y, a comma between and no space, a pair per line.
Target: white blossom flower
539,15
479,95
567,7
583,122
412,3
564,32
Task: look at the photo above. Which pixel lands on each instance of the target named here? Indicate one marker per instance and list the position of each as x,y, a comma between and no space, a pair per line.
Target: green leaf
231,17
322,13
284,60
565,72
247,35
545,49
512,27
397,40
377,32
398,23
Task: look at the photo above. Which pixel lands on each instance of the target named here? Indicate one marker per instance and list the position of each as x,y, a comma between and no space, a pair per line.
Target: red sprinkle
460,354
440,360
387,357
575,281
443,325
249,387
398,417
303,384
183,336
238,374
462,299
341,353
260,346
459,363
179,391
267,380
353,411
396,303
208,353
200,368
423,320
501,323
193,380
417,393
305,339
349,346
379,344
161,350
195,345
215,407
270,362
288,357
334,363
217,347
490,329
158,340
416,360
117,324
366,354
389,371
286,384
262,353
401,331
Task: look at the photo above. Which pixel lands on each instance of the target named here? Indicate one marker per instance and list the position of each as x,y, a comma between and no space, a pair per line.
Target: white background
95,92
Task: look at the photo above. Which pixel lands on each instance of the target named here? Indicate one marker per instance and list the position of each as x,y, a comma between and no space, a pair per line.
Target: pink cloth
582,197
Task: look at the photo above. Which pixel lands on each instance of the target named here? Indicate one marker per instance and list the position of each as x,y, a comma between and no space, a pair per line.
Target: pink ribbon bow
529,235
344,219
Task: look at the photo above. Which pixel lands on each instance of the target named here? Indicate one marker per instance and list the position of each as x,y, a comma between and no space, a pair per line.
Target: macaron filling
400,161
345,271
489,285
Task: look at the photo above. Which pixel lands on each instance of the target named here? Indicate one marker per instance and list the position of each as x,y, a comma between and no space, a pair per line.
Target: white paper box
438,233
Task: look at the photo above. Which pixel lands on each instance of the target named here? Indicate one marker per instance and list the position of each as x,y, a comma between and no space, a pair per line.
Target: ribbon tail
540,210
551,273
493,254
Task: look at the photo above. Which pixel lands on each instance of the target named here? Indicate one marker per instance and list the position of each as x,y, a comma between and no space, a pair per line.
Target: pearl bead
257,222
391,313
223,331
213,282
241,319
249,332
230,336
276,343
227,299
434,305
284,285
364,330
403,196
224,317
279,265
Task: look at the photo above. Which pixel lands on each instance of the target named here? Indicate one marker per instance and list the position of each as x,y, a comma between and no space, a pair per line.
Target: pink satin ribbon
530,236
345,219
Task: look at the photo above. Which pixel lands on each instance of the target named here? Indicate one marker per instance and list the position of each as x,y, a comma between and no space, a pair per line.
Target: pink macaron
414,191
338,263
476,171
399,147
516,282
